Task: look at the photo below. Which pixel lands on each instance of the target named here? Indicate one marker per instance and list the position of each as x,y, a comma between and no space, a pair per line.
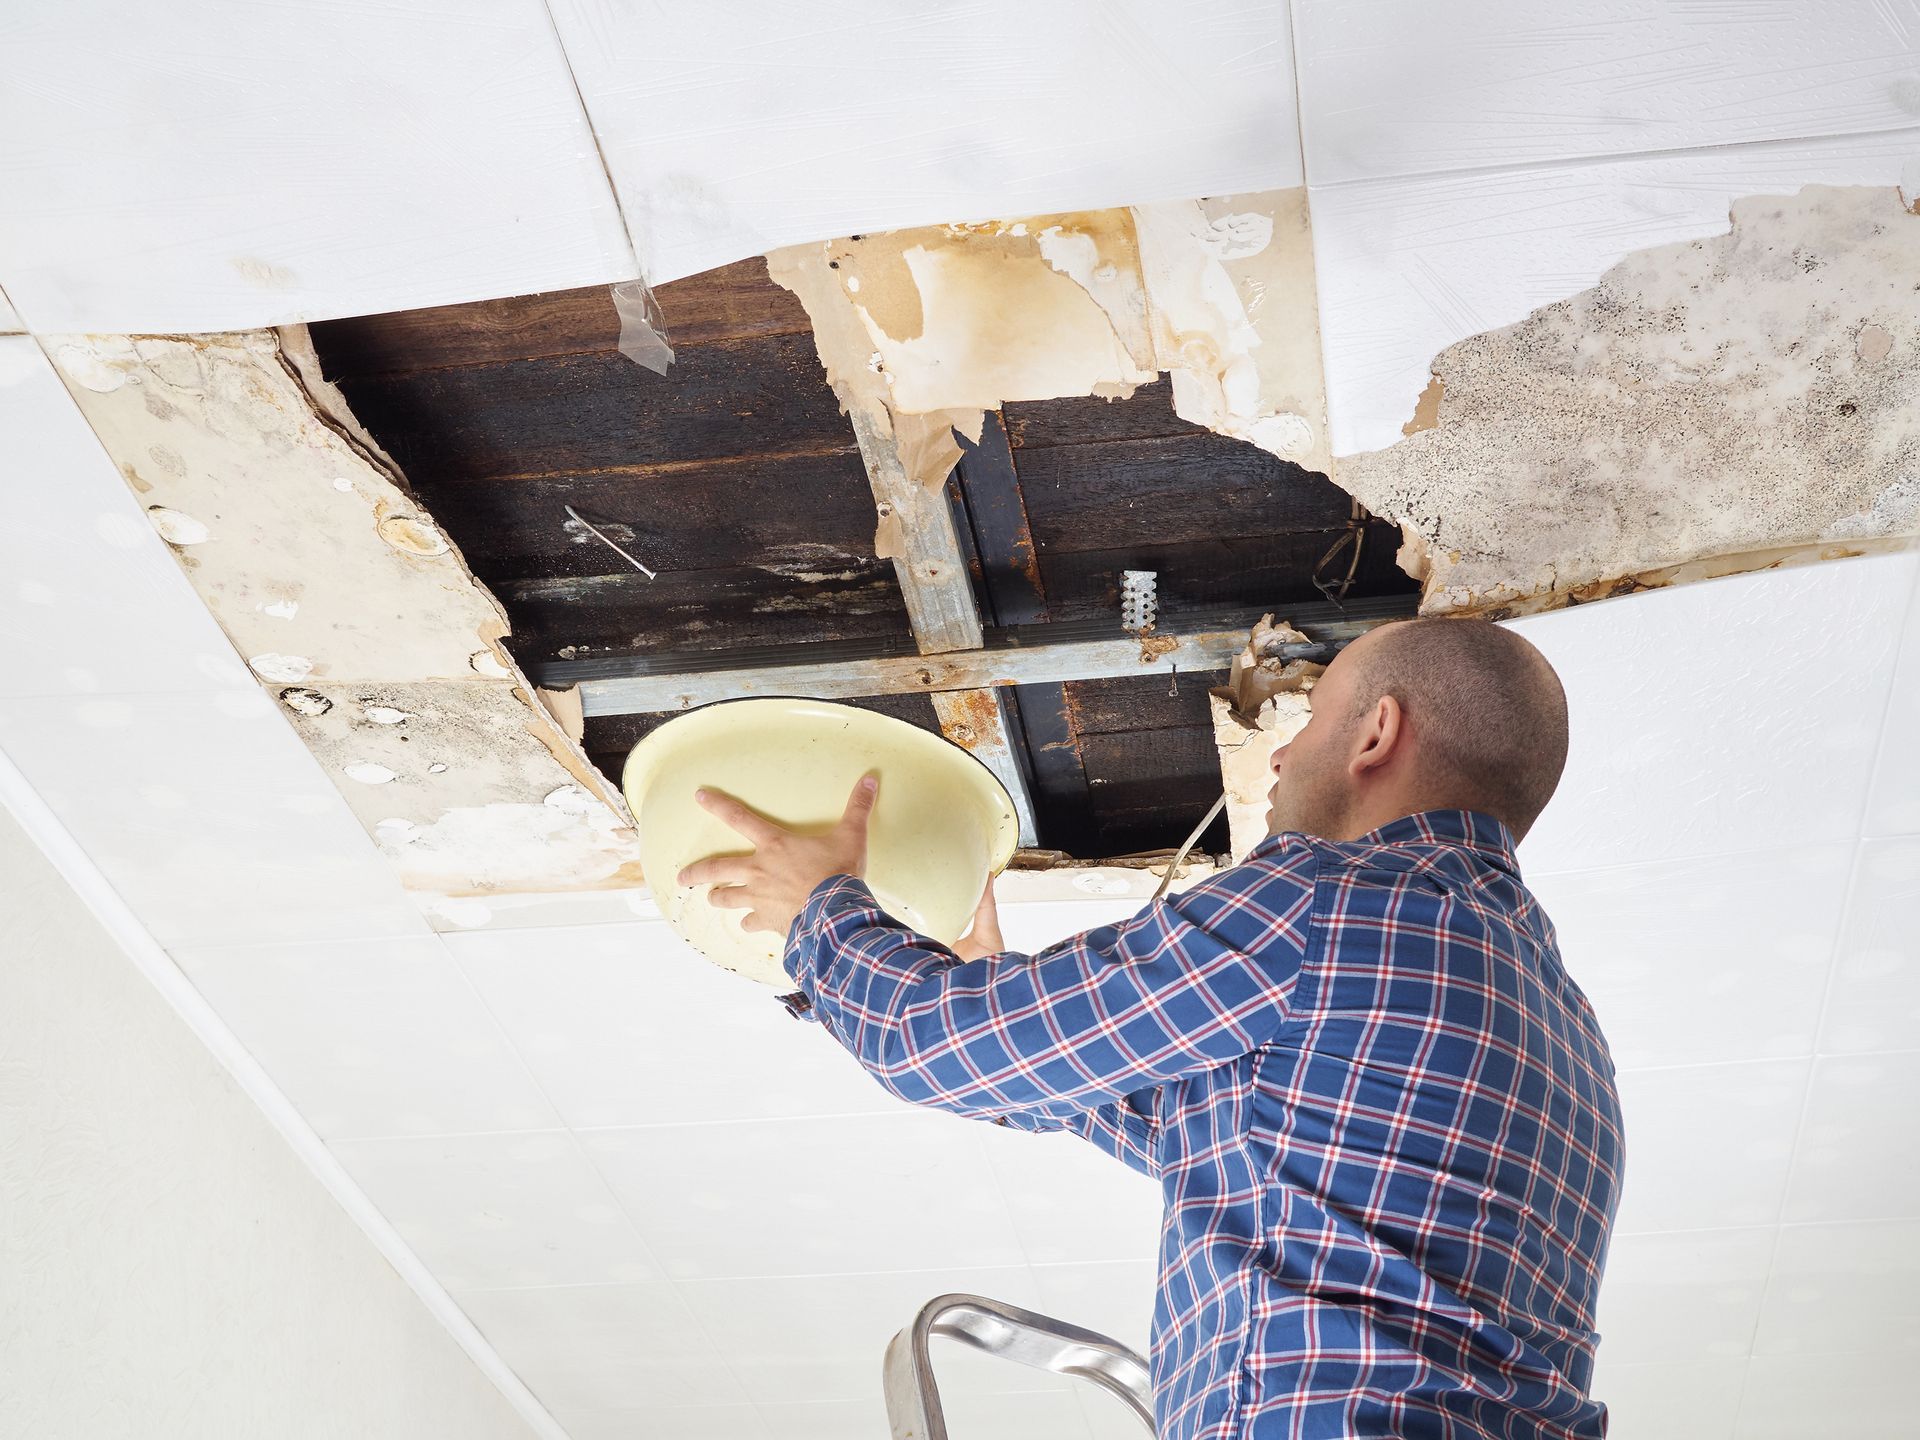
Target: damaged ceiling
425,530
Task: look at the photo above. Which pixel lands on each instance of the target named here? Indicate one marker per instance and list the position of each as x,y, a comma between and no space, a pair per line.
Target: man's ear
1379,736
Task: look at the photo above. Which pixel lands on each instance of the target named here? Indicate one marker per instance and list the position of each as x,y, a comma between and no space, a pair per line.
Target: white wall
168,1265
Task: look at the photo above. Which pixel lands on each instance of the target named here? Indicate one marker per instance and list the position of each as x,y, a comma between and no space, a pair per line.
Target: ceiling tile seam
599,146
1582,162
762,1276
1806,1102
1805,1058
1759,1313
1688,857
533,1079
898,1109
722,1353
977,1139
1906,648
1638,1234
154,964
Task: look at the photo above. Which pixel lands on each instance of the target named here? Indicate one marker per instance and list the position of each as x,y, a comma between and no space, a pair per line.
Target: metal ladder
913,1400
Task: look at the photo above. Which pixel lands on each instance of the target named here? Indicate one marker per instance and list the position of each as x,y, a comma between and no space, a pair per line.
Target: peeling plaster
1710,406
1264,704
963,318
360,618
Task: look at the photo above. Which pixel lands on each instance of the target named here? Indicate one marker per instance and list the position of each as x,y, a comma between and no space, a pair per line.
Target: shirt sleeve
1191,983
1121,1128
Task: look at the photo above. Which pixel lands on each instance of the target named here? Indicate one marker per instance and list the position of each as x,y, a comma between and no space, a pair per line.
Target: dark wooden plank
610,737
594,616
807,519
1194,487
1263,571
1141,702
1085,419
996,516
734,302
762,397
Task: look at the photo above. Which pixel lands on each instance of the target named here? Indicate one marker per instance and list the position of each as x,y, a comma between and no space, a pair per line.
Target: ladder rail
1010,1333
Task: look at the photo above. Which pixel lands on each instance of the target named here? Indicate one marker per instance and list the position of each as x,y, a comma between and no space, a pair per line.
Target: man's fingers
718,870
729,897
756,828
753,923
986,922
860,802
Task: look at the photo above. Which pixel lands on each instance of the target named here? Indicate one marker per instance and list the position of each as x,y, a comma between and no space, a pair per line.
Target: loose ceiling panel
1408,87
730,137
1407,267
224,165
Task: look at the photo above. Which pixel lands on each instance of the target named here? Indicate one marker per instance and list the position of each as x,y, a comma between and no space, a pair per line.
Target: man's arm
1119,1128
1191,983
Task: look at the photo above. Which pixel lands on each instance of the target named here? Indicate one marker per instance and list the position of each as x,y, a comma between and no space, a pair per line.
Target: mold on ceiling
1710,406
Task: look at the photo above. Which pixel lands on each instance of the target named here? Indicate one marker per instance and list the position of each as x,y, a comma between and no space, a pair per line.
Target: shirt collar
1471,828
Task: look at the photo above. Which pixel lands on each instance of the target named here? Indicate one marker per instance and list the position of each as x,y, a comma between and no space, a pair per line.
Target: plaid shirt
1383,1118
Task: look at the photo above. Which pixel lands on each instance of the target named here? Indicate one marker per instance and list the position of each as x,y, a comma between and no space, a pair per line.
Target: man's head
1424,715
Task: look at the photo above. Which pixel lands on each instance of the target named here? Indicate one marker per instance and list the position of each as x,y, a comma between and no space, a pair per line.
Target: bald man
1381,1114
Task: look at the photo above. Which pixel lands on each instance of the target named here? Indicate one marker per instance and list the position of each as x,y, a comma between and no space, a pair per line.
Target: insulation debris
358,616
1264,704
1711,406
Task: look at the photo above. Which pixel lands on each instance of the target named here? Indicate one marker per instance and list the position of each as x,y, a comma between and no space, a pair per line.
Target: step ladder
1006,1331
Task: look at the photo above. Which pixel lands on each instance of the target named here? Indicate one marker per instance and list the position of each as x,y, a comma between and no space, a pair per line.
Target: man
1383,1117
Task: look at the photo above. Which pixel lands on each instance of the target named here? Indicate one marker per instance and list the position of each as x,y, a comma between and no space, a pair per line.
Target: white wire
1167,879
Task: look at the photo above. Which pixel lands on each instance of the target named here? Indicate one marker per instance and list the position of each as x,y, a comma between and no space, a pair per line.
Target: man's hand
773,883
983,939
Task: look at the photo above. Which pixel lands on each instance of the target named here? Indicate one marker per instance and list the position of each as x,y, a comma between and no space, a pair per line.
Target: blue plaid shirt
1383,1118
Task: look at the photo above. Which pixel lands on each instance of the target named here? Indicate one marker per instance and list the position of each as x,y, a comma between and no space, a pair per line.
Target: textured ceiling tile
1874,1001
1690,1295
222,166
207,815
729,139
1400,87
1730,716
1859,1148
91,599
1691,961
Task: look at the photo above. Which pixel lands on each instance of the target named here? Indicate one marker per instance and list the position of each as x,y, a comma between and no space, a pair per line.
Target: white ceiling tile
236,166
1708,1146
1686,1296
492,1211
701,1422
1848,1287
969,1414
1407,267
1694,1401
1874,1000
860,1192
1893,806
9,317
1396,87
1031,926
370,1037
1691,961
1071,1200
821,1337
1859,1147
92,600
728,139
609,1347
208,815
1114,1299
1691,734
1846,1397
626,1025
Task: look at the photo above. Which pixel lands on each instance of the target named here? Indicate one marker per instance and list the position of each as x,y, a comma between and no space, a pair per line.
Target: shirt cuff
801,958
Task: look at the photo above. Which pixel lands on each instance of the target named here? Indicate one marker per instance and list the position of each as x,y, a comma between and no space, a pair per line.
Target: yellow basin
943,822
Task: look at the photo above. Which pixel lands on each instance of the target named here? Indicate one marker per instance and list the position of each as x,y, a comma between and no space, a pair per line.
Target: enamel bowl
942,824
